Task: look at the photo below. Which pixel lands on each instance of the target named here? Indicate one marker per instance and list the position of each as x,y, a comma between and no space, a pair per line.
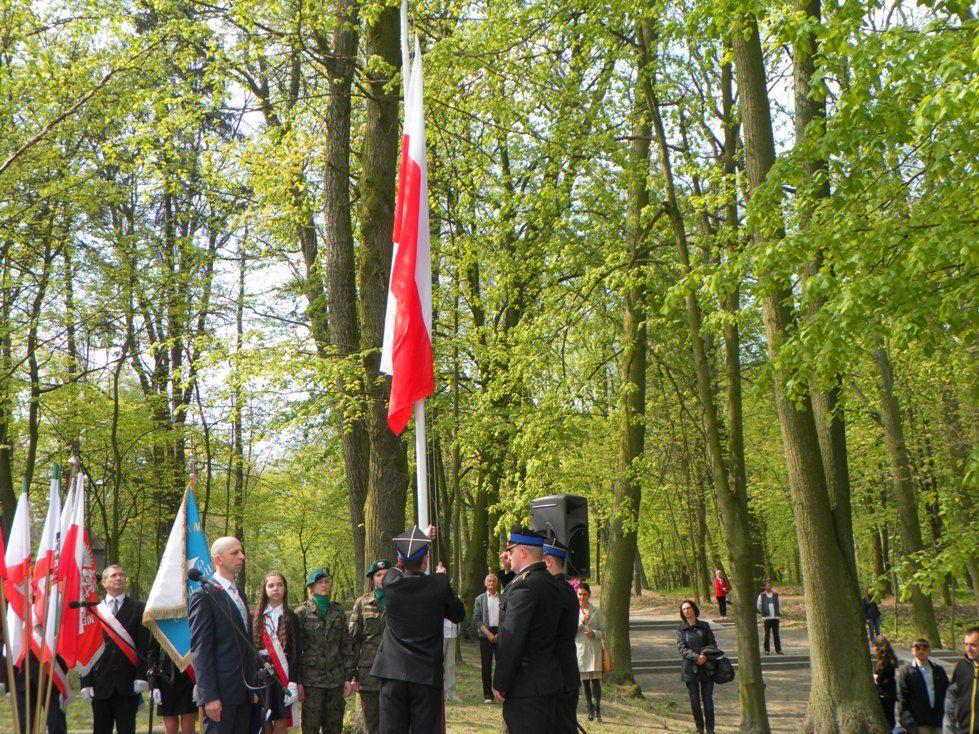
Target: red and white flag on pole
406,352
17,582
47,597
80,642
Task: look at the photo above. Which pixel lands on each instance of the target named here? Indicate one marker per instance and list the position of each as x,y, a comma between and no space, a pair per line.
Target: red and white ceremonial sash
116,632
280,664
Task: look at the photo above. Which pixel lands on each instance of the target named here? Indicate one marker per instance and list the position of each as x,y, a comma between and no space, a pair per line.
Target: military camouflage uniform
366,631
327,662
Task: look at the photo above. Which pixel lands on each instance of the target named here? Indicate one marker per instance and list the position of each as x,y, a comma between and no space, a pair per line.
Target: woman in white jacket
591,627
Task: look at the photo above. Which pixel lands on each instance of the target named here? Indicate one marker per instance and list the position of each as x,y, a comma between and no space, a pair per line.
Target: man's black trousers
565,719
235,719
486,651
117,712
530,714
409,707
771,630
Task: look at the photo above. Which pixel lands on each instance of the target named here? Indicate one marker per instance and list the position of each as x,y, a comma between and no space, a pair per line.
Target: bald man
222,658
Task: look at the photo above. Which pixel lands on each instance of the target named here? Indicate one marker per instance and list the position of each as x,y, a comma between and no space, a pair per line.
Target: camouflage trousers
371,708
322,710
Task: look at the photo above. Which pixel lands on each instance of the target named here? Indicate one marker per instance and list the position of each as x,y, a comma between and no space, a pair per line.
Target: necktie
233,590
115,607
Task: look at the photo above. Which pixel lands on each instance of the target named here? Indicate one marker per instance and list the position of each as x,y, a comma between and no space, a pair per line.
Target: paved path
787,679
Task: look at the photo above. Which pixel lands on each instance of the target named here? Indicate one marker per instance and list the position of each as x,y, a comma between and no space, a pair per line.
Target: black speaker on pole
565,516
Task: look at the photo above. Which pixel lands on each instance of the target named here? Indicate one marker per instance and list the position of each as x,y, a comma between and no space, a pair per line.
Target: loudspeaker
565,516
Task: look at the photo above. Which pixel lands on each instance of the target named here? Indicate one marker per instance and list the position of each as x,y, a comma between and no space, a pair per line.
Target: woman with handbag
692,637
588,640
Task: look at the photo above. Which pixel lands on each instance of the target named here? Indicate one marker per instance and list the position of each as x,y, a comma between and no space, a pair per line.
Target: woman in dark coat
885,676
693,636
274,619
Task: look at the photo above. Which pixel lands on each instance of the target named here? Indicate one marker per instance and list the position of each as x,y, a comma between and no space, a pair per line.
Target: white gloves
140,686
292,694
157,697
87,694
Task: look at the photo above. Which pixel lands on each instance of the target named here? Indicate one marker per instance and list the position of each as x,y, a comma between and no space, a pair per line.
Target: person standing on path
961,716
327,669
921,688
885,672
588,640
366,631
565,719
692,636
871,613
276,631
770,609
721,589
486,620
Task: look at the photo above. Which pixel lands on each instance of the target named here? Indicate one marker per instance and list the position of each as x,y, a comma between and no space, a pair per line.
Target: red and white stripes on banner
406,352
47,591
16,582
116,632
277,656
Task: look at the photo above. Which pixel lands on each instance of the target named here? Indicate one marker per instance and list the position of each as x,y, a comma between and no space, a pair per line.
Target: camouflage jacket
366,631
327,656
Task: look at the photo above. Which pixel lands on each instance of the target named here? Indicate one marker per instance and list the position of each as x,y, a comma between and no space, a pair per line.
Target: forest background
711,265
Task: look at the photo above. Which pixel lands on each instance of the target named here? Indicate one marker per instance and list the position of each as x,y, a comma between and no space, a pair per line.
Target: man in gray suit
486,620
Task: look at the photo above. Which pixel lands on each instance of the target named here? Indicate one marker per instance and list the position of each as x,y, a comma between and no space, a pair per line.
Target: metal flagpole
421,468
11,681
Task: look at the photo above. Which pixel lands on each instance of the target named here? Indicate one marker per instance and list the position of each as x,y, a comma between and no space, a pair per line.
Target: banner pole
421,468
11,681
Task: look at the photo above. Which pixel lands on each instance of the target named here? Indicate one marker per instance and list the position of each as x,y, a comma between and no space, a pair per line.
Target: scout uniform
327,661
366,631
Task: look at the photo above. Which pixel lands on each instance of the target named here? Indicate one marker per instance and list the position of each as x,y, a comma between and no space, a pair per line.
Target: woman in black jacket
693,636
885,676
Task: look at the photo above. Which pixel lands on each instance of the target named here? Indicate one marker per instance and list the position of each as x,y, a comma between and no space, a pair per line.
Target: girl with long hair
276,630
885,676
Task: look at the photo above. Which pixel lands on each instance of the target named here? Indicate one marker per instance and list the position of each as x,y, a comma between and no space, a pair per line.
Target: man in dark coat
221,652
527,669
117,679
409,660
565,720
961,716
921,687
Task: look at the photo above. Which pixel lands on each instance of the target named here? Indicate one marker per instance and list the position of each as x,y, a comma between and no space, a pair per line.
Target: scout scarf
379,596
280,664
322,602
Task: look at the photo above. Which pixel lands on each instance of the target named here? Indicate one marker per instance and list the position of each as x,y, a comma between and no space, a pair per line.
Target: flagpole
421,467
11,681
43,716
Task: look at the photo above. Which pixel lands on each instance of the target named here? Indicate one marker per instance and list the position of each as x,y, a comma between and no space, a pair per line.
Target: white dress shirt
114,603
232,590
492,610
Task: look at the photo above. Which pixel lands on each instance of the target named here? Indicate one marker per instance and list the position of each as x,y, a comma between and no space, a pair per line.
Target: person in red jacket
721,587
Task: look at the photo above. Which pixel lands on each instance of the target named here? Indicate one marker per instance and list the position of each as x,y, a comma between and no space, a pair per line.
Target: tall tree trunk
339,304
632,408
387,489
810,116
923,611
237,418
732,499
842,697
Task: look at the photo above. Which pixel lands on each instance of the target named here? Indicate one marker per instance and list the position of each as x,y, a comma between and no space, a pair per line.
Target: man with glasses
961,716
921,688
117,679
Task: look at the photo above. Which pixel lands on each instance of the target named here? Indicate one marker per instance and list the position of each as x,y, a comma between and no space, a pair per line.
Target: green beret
316,574
377,566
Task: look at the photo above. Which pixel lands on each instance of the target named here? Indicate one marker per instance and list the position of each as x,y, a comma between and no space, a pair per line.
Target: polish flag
17,582
47,596
406,352
80,642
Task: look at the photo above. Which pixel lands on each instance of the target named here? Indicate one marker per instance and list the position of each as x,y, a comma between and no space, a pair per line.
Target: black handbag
723,670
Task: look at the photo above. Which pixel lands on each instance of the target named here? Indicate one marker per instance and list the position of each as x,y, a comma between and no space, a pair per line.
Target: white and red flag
80,642
17,582
47,597
406,352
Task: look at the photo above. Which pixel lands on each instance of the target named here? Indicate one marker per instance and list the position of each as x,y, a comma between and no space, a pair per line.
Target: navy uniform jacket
415,605
567,629
526,652
222,660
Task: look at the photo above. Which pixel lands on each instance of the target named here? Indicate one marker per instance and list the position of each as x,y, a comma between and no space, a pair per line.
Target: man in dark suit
565,720
117,679
220,630
921,687
409,660
527,668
